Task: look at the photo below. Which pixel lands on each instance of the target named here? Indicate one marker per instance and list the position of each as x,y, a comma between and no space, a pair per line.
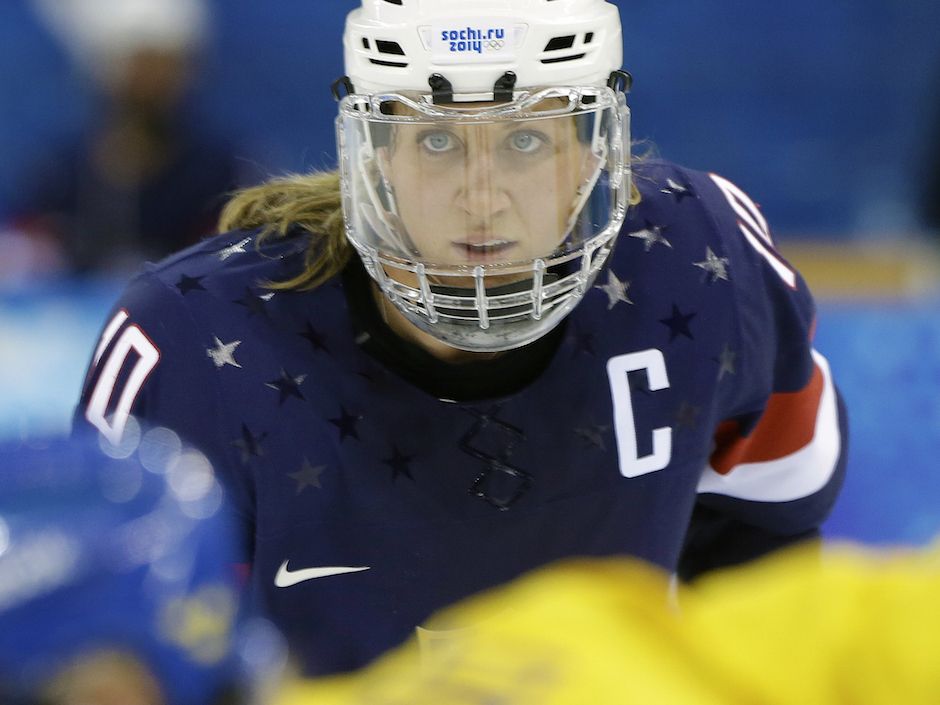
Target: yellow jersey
799,628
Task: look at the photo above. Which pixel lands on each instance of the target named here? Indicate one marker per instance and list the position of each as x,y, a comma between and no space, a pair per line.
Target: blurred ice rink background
824,111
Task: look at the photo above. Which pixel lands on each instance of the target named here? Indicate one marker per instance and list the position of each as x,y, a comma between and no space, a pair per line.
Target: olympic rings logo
471,40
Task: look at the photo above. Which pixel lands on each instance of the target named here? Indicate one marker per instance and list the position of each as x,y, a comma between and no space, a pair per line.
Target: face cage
508,316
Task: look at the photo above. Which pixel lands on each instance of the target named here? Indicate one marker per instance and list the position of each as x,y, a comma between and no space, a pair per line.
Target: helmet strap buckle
344,83
442,90
620,81
504,87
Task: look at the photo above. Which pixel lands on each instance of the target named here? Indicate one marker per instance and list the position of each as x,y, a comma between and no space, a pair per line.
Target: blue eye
526,141
438,142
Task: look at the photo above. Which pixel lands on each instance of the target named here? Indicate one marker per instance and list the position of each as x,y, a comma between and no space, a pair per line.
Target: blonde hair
311,202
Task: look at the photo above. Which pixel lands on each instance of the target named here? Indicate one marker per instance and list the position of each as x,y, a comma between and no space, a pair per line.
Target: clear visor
481,185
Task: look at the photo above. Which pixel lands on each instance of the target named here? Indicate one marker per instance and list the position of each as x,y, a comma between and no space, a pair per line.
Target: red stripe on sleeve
788,424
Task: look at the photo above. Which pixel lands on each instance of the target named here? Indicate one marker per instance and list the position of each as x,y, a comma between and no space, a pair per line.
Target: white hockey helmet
484,154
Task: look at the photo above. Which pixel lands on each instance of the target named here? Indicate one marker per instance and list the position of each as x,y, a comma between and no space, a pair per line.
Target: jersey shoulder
236,259
225,277
714,218
704,242
689,198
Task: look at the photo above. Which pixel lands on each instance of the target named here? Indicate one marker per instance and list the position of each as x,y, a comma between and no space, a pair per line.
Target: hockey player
493,340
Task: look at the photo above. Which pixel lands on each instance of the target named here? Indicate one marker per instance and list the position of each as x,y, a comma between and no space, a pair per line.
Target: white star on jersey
231,250
615,289
224,353
727,362
675,189
651,236
716,266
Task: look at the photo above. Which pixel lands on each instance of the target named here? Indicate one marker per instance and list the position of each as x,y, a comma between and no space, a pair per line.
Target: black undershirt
492,378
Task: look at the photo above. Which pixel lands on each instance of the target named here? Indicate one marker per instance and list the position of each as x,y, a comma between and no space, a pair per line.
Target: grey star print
232,250
676,189
615,289
727,362
224,353
715,266
651,235
307,476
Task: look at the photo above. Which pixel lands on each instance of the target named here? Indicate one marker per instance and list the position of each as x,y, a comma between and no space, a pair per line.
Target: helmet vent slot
395,2
386,47
394,64
560,59
557,43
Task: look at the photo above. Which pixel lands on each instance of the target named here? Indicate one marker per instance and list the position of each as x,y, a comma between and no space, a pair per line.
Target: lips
484,250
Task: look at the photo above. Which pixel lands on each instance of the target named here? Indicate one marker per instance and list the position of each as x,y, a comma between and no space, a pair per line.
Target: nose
483,194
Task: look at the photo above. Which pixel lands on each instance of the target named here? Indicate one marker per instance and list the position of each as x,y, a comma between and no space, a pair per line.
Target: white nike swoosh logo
286,578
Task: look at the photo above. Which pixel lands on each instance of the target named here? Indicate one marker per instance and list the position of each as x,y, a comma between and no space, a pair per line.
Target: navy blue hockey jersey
686,380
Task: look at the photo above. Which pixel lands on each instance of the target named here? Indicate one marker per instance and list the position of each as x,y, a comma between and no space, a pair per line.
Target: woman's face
473,194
